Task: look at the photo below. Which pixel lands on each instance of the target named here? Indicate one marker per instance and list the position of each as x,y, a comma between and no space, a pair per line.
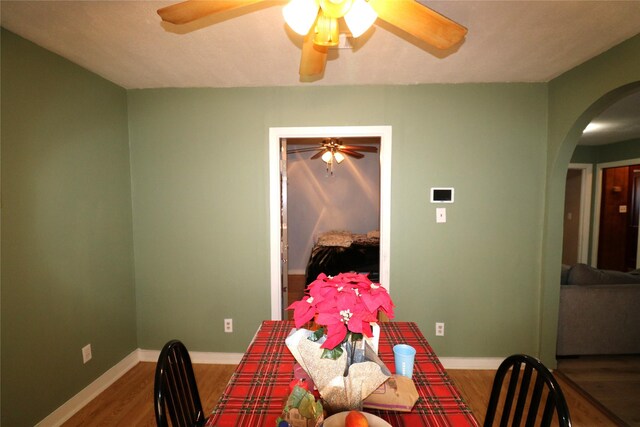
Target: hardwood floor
612,381
129,401
475,387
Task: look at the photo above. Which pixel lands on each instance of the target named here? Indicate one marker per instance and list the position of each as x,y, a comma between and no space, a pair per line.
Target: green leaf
355,336
319,333
333,354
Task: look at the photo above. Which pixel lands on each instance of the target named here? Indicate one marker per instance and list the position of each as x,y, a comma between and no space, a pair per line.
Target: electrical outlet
228,325
86,353
439,329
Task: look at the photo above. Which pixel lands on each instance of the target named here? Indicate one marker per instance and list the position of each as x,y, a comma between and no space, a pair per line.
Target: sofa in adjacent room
599,312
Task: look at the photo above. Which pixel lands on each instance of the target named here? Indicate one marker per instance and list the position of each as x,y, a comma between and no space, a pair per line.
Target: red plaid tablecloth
256,393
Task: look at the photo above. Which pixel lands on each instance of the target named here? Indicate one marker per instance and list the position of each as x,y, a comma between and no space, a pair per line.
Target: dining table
258,389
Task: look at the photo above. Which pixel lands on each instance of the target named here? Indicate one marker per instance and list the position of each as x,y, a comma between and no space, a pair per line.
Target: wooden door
620,205
612,245
634,214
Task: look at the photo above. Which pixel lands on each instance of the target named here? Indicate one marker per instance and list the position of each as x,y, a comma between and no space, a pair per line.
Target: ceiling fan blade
420,21
366,148
314,57
302,150
352,154
318,154
190,10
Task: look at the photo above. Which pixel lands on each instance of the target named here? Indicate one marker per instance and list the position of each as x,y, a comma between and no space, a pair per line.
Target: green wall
575,98
625,150
67,258
200,207
618,151
585,154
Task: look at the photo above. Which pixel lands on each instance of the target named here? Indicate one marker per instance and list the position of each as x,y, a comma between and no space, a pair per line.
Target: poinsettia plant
344,306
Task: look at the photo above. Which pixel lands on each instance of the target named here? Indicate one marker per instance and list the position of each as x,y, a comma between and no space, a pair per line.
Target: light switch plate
441,215
86,353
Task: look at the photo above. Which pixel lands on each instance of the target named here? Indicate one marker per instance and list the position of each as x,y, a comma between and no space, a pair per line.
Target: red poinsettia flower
346,303
378,298
303,311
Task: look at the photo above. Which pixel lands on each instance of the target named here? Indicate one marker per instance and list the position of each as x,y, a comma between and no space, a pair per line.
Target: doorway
577,213
276,135
615,223
330,210
614,126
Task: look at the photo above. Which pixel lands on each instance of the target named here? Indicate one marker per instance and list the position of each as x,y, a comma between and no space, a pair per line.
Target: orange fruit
356,419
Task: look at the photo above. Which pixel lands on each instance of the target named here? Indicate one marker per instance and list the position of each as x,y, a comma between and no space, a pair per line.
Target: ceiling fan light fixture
327,157
327,31
360,17
300,15
338,156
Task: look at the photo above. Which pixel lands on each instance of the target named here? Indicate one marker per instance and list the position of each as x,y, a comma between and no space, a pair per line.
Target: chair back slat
175,390
183,407
528,386
549,408
523,394
534,403
511,392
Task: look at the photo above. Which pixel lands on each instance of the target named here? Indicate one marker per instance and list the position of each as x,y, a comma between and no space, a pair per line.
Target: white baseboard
86,395
471,362
197,357
77,402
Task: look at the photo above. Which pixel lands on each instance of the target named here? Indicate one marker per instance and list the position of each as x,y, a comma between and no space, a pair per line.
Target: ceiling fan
408,16
333,150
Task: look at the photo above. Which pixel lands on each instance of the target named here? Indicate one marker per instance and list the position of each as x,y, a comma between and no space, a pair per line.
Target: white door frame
275,134
586,184
598,201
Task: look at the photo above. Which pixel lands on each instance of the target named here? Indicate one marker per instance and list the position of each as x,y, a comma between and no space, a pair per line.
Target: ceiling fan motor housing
335,8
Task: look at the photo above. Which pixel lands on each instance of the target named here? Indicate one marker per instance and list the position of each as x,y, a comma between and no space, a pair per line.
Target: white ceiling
508,41
620,122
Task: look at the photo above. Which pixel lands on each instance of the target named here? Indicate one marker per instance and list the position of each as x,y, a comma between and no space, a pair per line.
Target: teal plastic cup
404,356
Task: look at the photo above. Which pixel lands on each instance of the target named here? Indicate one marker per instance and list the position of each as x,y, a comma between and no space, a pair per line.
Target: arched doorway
608,152
596,324
574,101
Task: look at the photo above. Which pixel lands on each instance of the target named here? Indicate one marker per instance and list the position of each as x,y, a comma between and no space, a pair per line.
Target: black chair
175,389
525,395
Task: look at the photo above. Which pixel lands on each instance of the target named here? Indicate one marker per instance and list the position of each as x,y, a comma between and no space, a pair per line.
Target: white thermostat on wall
441,195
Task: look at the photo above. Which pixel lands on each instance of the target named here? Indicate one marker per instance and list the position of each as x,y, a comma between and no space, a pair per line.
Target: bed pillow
335,238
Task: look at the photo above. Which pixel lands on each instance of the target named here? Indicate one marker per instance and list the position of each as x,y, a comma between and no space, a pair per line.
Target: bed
342,252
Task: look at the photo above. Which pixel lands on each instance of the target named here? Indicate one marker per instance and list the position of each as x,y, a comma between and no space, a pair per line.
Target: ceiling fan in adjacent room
333,150
319,22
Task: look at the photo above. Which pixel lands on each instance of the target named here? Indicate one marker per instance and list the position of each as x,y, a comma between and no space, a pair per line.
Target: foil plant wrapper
345,382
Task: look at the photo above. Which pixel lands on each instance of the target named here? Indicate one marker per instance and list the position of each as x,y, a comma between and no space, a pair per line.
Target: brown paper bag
398,393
